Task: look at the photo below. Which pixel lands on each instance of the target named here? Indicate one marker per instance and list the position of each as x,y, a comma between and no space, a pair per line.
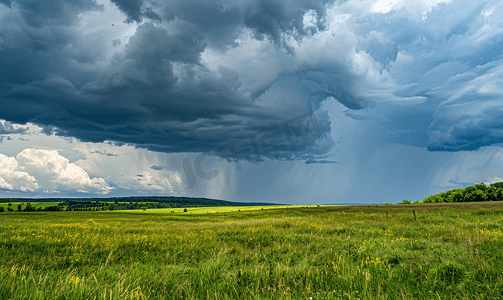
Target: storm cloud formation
195,75
7,128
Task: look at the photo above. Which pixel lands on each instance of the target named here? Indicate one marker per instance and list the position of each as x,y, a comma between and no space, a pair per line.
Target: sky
282,101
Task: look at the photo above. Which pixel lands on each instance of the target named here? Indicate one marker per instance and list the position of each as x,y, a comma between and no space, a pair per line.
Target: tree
481,187
497,184
184,210
454,195
475,195
19,207
498,195
458,195
29,207
433,199
2,209
491,193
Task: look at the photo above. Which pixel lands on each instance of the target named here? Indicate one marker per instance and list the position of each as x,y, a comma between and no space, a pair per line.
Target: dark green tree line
474,193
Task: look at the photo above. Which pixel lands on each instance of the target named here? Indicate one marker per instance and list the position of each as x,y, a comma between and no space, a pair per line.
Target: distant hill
186,201
165,201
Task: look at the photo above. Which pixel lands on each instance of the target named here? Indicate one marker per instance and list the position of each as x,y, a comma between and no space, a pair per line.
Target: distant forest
474,193
120,203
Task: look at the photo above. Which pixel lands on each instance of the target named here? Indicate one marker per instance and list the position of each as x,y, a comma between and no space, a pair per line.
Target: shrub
416,202
184,210
29,207
2,209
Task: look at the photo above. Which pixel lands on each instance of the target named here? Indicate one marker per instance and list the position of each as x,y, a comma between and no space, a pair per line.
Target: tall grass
284,253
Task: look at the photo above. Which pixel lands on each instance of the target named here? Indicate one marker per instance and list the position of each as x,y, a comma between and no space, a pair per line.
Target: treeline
182,201
83,205
120,203
178,201
29,207
474,193
123,203
139,205
7,200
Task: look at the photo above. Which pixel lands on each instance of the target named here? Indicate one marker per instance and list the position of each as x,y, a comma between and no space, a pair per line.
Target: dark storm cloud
7,3
322,161
271,18
467,131
221,22
7,128
2,138
132,9
155,91
52,12
149,13
138,99
450,98
472,116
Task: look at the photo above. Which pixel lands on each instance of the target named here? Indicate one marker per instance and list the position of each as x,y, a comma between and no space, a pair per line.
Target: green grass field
210,210
450,252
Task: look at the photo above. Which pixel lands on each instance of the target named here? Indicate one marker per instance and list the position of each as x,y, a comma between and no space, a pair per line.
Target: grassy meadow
211,210
452,251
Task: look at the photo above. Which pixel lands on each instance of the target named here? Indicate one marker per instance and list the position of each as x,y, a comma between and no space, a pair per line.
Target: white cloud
493,179
384,6
14,180
56,172
424,6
